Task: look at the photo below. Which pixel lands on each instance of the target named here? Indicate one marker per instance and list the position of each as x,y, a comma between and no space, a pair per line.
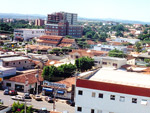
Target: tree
119,34
66,70
57,51
103,37
84,63
90,34
138,47
45,73
116,53
96,36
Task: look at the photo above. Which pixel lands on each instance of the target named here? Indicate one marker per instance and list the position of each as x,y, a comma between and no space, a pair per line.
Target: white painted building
110,47
132,41
113,91
7,71
26,34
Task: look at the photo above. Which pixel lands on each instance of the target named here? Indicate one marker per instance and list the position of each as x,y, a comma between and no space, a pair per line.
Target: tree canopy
116,53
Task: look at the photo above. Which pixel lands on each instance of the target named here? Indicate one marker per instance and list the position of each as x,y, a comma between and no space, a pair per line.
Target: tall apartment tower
56,17
62,24
39,22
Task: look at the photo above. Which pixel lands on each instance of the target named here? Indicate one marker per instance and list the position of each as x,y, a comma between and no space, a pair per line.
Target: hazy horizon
135,10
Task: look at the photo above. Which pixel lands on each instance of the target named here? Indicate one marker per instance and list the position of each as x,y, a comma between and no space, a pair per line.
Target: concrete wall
87,102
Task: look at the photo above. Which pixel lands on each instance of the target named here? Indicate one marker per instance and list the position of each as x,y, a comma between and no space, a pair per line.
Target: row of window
112,97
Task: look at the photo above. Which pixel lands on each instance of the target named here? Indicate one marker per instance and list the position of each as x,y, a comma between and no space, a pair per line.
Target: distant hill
114,20
22,16
36,16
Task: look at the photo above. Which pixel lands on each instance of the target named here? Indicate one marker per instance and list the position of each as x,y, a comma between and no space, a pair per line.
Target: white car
37,97
18,97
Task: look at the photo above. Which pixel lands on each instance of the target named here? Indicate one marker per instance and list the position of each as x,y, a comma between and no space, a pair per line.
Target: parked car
43,110
12,92
37,97
70,102
27,96
1,101
49,99
6,92
18,97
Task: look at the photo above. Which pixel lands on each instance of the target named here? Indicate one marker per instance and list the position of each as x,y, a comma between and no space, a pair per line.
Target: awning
48,89
60,92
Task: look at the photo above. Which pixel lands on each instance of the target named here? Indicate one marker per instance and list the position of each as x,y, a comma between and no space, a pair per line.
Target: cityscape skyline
126,10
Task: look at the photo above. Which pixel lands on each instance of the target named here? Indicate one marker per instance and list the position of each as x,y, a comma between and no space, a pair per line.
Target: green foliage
86,29
119,28
116,53
138,47
119,34
65,70
103,37
19,108
84,63
127,44
145,37
147,60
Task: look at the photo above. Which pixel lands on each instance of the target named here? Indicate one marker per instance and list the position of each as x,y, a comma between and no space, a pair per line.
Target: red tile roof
41,47
90,42
64,45
124,89
30,76
53,37
68,81
46,41
66,40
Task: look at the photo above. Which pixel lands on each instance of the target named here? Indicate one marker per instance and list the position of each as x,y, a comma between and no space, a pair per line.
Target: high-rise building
55,18
39,22
63,24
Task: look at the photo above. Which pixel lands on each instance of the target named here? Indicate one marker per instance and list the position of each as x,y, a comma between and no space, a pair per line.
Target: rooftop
122,77
113,58
54,37
9,59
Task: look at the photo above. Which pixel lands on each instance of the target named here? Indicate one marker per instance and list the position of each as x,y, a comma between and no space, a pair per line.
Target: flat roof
9,59
113,58
122,77
6,68
29,29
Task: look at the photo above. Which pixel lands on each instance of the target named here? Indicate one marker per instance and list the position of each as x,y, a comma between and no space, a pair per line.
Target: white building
112,62
110,47
7,71
26,34
113,91
132,41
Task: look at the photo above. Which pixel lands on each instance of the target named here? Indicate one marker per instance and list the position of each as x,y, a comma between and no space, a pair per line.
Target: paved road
39,104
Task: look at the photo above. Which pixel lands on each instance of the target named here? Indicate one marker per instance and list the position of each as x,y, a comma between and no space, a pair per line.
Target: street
39,104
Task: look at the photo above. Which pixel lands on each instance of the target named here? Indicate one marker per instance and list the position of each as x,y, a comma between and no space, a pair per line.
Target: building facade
113,92
39,22
27,34
63,24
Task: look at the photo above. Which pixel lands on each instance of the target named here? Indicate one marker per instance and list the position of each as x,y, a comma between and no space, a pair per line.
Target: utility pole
25,111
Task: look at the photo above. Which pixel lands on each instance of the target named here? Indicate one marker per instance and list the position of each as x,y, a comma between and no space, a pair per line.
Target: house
7,71
68,43
36,49
24,82
113,91
27,34
89,53
19,62
112,62
91,43
132,41
50,40
102,47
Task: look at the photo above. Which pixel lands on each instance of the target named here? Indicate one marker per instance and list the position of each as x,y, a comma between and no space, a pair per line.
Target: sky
115,9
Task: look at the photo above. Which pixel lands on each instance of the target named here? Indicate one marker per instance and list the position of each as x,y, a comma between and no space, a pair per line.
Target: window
8,84
112,97
105,63
7,63
14,63
92,110
134,100
19,62
93,94
122,99
79,109
80,92
25,61
100,95
144,102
